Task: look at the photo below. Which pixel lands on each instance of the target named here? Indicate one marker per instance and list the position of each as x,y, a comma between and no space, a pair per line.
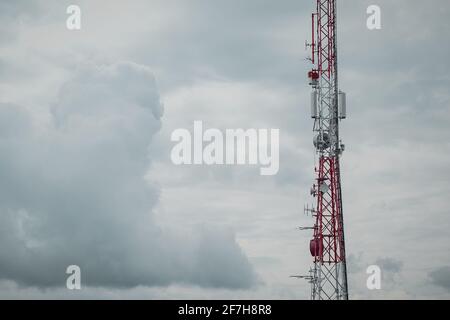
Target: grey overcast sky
86,176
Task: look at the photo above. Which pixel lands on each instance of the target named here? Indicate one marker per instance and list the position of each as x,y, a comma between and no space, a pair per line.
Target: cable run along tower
328,275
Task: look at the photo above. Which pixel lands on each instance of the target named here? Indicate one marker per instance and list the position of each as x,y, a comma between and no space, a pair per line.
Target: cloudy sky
86,176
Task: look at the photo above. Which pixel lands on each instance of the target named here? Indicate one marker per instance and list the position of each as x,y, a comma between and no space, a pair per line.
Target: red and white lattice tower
328,276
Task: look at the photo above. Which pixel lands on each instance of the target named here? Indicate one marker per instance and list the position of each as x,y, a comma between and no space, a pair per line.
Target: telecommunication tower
328,275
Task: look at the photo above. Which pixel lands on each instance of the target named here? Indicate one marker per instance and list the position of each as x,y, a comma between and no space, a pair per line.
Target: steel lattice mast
328,276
